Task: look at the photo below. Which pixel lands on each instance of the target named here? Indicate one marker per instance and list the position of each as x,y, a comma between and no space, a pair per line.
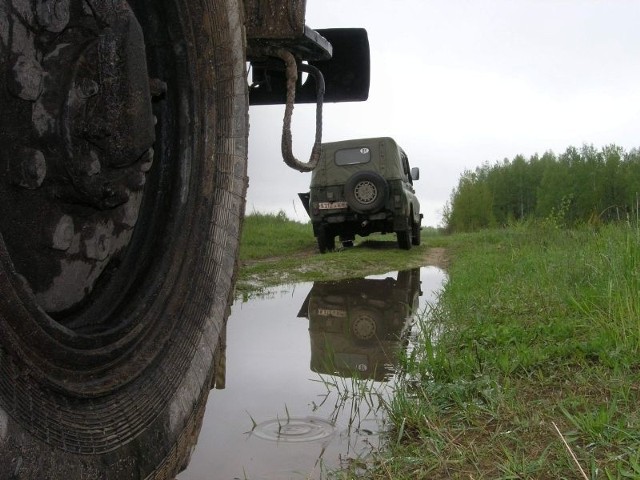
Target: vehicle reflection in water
357,326
301,374
303,397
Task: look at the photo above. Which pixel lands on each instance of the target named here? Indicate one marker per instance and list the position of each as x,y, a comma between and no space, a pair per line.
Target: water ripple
304,429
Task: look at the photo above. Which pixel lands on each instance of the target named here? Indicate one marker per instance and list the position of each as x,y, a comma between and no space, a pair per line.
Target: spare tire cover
366,192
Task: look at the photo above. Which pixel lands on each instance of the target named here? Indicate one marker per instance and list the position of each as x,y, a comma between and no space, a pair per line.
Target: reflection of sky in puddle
279,416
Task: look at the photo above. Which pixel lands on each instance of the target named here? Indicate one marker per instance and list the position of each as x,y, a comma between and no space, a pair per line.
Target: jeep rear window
353,156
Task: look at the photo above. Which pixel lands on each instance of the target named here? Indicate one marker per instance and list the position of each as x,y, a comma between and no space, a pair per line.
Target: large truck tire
123,146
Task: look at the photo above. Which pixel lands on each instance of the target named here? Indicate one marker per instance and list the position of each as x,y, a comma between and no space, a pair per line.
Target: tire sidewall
191,296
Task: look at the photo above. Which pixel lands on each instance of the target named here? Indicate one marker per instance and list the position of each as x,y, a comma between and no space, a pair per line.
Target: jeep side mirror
415,173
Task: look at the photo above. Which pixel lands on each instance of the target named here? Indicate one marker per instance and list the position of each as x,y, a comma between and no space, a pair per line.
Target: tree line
579,186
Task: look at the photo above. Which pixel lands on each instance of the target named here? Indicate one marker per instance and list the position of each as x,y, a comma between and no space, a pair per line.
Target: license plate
330,312
332,205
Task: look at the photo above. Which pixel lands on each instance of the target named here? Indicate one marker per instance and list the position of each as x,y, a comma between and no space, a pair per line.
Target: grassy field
529,364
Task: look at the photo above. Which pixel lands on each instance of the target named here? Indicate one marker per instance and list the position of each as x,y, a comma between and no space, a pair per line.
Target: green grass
265,235
535,328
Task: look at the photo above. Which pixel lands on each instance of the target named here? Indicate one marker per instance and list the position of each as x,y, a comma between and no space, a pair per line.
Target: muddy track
436,256
309,265
301,255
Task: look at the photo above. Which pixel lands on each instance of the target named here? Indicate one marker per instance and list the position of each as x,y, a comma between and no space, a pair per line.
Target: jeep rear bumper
348,224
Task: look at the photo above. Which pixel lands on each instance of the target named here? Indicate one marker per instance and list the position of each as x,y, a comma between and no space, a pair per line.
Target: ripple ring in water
306,429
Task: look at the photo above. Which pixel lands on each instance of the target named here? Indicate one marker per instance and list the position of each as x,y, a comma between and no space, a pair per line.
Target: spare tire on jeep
366,191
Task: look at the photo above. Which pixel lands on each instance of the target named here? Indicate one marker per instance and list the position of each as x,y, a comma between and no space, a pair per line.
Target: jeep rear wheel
404,236
122,191
366,192
326,240
415,232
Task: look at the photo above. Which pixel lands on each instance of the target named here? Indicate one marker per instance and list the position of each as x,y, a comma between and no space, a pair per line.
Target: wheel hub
364,327
77,134
365,192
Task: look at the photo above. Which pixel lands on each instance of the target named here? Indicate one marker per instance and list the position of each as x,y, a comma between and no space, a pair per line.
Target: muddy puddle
307,368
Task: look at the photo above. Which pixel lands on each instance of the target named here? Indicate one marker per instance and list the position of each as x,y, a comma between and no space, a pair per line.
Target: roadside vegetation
527,367
530,357
579,186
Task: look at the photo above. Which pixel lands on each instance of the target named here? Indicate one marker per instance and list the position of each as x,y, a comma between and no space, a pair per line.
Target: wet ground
307,367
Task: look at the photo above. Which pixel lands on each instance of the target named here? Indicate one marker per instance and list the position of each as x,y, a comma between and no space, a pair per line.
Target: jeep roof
339,160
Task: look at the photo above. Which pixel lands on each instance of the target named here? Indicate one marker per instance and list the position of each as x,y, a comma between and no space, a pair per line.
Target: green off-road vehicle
360,187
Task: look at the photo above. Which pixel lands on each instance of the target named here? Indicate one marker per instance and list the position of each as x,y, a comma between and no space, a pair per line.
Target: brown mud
436,256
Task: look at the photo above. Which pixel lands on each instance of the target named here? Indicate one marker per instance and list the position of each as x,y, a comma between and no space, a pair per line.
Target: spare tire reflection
358,326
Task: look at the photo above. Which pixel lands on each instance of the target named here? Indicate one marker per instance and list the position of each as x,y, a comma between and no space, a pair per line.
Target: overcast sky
460,83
